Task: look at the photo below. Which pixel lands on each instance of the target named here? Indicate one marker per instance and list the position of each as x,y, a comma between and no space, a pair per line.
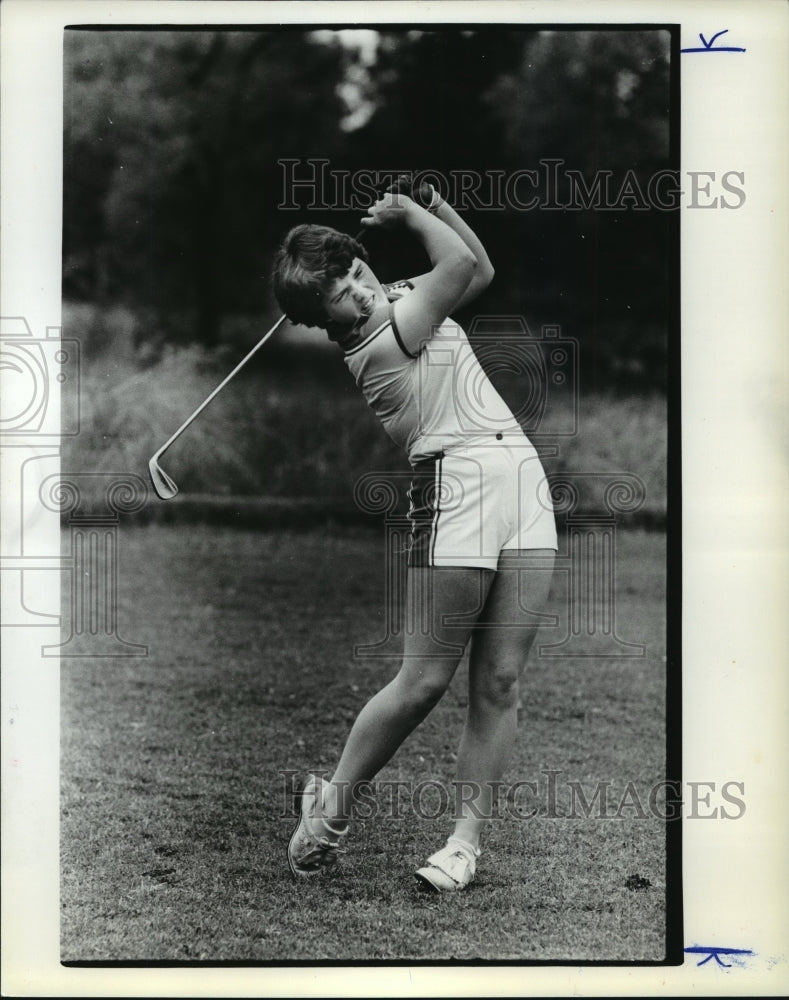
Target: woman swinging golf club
482,543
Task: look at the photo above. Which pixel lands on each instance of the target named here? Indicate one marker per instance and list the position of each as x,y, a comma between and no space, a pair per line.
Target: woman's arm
483,275
425,194
442,288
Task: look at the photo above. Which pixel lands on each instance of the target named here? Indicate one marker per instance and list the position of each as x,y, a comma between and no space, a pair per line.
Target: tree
171,143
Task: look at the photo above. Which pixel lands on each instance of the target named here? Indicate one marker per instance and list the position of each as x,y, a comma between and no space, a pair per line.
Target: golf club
165,488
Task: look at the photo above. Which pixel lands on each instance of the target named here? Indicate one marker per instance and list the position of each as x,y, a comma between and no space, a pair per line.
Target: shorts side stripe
422,513
437,512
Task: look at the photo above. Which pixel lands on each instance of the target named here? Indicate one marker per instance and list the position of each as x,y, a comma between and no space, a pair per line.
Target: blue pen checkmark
708,44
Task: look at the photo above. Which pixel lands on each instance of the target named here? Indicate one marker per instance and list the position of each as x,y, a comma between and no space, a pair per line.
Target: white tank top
431,402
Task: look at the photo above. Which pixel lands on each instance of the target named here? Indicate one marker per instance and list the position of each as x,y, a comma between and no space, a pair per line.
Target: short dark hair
305,267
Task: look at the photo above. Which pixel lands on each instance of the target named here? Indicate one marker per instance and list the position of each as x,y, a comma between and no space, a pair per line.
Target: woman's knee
495,683
421,690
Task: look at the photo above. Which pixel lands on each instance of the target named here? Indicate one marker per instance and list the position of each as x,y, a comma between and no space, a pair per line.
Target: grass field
174,812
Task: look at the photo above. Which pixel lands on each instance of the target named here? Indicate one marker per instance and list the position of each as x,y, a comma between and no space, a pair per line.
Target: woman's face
351,299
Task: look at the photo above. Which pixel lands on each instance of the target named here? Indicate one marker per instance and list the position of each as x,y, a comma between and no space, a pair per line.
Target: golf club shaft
360,235
162,483
220,387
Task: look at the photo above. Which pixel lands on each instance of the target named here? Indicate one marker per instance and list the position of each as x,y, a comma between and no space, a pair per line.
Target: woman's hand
391,210
423,193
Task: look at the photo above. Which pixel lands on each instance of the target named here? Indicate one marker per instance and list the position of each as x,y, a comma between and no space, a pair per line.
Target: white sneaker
313,844
450,869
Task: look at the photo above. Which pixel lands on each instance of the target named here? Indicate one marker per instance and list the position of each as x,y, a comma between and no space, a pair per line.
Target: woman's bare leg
502,639
432,651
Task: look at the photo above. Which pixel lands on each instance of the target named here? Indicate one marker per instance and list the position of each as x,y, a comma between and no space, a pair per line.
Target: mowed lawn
175,811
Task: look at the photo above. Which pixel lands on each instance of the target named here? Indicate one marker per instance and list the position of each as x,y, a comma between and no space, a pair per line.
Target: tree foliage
171,147
173,138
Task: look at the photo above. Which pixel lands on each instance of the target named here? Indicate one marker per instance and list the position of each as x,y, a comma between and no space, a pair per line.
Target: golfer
483,536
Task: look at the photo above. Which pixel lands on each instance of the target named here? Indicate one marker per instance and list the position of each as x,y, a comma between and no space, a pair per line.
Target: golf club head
164,486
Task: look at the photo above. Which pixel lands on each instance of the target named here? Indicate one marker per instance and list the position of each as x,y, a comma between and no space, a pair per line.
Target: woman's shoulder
381,318
397,289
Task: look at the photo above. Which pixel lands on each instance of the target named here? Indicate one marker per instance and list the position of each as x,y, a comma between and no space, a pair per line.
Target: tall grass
301,428
620,434
261,435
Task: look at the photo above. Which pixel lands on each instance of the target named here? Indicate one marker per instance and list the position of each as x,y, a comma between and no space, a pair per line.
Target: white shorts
472,503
